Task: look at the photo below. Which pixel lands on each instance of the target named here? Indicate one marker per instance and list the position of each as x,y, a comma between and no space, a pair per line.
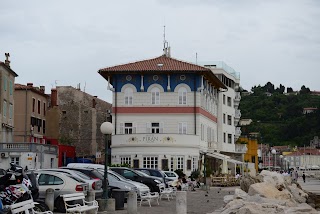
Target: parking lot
198,202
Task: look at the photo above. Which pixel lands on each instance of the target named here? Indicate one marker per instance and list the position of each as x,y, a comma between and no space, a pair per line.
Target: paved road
311,185
199,202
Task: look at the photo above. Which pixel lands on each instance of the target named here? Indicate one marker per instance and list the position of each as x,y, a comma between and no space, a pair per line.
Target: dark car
155,173
151,182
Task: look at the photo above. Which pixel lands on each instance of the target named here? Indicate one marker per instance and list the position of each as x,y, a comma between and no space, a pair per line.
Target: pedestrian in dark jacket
304,177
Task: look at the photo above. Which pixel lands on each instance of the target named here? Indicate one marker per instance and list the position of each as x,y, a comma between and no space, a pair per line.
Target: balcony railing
28,147
241,148
237,114
238,96
238,131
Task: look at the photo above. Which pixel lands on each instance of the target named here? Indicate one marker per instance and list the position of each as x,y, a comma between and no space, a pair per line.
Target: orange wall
252,145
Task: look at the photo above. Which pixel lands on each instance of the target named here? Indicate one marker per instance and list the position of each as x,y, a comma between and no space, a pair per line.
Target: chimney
54,97
7,61
30,84
42,89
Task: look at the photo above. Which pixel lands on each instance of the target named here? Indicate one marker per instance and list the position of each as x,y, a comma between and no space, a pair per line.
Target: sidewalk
198,202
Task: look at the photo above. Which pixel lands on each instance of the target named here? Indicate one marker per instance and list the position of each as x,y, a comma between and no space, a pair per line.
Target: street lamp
281,156
106,128
285,163
274,152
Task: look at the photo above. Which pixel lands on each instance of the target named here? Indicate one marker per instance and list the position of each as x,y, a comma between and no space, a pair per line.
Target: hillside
279,117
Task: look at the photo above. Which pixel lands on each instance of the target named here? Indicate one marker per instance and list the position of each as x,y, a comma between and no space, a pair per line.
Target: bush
179,172
195,174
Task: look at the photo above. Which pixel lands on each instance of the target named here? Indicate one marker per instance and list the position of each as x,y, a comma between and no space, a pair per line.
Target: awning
224,157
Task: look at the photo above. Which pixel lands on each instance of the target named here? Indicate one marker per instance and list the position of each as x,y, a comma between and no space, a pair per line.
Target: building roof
18,86
161,63
9,69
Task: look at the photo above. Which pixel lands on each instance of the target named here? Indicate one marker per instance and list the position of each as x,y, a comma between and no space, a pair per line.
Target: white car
94,184
61,183
171,175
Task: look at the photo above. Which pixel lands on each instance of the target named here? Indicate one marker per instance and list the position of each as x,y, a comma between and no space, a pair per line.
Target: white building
167,113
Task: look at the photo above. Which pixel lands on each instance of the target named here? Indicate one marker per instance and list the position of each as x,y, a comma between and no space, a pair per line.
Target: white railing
241,148
237,114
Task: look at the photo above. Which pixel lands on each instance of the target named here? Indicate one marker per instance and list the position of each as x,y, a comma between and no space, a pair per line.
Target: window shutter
134,128
161,127
148,127
121,128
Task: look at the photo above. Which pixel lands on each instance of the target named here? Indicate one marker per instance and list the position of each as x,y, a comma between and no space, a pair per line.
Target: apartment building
7,78
166,114
30,113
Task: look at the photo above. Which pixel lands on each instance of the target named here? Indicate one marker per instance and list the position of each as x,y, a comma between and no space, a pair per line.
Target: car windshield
82,175
120,177
142,173
77,179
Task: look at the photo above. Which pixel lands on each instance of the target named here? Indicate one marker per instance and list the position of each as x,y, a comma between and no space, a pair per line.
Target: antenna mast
166,48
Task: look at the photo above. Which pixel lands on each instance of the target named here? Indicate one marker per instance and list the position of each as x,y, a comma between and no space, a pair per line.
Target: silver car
61,183
94,184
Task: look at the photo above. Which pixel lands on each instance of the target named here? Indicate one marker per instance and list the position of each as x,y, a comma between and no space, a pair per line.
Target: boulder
297,194
274,178
267,190
246,181
301,208
227,198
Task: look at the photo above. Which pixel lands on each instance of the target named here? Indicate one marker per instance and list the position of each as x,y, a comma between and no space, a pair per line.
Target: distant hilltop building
309,110
315,143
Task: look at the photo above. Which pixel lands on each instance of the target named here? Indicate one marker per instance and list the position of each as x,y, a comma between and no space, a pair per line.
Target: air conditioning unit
4,154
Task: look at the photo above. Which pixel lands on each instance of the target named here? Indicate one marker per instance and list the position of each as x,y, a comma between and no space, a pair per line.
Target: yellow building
251,155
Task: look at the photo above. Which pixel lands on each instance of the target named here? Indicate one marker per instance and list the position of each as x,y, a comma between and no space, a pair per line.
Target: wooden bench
81,207
148,196
26,207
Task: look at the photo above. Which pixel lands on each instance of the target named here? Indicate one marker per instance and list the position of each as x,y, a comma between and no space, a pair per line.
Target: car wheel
59,204
41,207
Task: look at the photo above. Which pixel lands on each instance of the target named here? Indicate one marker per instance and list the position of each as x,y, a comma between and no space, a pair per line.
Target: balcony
238,131
156,140
238,114
213,146
241,148
28,147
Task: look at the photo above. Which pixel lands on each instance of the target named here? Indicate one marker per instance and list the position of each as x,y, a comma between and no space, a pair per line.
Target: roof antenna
166,48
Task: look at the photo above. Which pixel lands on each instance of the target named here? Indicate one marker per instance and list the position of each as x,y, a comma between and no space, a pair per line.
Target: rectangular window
39,106
150,162
128,96
44,126
155,128
182,128
10,87
15,160
4,108
52,162
183,97
44,109
172,164
128,128
33,104
180,163
5,83
10,111
224,99
194,163
125,160
224,118
229,138
229,120
229,101
155,97
224,137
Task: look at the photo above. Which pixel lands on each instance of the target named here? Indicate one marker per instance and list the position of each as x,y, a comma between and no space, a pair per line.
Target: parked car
141,188
62,183
85,165
116,183
171,175
94,184
134,175
155,173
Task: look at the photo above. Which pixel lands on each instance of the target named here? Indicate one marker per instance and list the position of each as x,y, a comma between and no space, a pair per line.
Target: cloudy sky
60,42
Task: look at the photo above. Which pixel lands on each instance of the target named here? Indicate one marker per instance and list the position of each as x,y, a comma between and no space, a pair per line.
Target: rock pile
270,192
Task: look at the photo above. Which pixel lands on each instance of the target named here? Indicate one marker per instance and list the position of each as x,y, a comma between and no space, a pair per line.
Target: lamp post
285,163
281,156
274,152
204,169
106,128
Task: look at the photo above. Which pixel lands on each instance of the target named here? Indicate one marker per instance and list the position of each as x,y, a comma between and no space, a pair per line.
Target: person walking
304,177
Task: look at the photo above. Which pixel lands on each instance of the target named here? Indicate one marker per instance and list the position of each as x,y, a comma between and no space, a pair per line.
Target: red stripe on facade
163,110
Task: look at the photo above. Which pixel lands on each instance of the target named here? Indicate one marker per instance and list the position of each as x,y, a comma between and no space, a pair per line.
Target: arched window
155,96
182,92
128,96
